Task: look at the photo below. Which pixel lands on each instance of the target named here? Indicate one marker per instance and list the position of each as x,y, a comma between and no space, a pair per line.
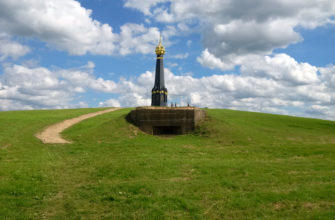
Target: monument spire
159,92
160,39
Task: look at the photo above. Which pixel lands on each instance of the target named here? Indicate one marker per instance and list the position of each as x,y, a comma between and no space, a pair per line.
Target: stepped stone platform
167,120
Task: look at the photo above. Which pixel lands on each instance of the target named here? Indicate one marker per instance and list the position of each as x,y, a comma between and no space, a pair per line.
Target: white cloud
110,103
209,60
9,48
281,67
31,88
134,99
288,93
309,94
234,31
317,110
143,6
180,56
229,30
328,76
66,25
137,38
240,38
171,65
23,87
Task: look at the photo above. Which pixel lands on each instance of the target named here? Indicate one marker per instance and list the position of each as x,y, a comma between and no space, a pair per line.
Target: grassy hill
237,165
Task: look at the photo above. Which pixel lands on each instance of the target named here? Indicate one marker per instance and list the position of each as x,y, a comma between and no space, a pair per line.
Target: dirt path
51,134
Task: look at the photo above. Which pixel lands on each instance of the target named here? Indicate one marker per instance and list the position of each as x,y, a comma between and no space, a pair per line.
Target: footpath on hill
52,134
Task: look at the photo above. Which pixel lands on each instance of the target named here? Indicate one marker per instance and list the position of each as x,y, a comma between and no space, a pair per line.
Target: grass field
237,165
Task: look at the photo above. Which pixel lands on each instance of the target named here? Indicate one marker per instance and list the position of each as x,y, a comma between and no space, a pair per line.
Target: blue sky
266,56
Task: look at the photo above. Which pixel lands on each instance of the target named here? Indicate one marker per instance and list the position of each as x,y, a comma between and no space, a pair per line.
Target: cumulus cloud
229,31
180,56
209,60
281,67
9,48
110,103
328,75
66,25
137,38
24,87
143,6
62,23
238,37
235,30
272,87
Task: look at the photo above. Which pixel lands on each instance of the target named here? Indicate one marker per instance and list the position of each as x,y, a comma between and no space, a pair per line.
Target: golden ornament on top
160,50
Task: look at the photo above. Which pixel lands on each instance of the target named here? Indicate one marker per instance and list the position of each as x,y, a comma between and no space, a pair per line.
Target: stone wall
167,120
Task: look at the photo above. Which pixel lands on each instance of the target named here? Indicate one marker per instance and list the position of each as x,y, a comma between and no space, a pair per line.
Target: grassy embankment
236,165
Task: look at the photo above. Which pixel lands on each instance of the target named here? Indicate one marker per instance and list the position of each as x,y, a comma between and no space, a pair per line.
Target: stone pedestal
167,120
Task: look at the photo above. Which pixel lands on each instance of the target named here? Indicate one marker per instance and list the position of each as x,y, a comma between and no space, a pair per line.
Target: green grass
236,165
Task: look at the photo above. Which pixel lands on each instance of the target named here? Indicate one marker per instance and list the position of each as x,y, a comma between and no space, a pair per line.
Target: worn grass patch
236,165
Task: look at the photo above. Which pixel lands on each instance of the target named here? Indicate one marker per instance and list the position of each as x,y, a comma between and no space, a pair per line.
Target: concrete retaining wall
167,120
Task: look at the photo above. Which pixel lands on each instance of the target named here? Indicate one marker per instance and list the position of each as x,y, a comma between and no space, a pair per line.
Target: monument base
167,120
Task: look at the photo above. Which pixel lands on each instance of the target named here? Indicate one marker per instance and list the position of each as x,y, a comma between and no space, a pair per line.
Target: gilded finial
160,50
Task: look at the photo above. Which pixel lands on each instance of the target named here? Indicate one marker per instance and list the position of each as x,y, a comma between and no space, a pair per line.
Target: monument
159,92
158,119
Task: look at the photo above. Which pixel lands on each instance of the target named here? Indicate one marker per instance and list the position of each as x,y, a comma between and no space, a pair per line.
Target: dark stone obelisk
159,92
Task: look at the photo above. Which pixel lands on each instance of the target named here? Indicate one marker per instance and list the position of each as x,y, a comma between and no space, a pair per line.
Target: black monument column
159,92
